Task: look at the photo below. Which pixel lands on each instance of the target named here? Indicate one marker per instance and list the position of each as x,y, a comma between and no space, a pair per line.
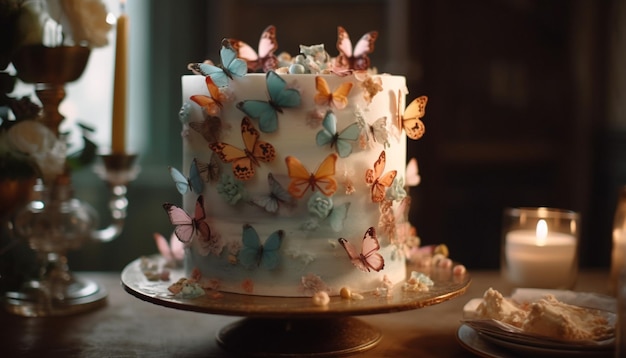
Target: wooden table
130,327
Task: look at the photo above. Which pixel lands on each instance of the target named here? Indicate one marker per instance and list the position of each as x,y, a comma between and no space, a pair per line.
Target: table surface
129,327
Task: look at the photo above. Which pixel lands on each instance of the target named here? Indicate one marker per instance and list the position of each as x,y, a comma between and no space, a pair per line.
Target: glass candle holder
540,247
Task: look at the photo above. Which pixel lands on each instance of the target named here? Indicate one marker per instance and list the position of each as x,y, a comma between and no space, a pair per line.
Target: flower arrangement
29,148
51,23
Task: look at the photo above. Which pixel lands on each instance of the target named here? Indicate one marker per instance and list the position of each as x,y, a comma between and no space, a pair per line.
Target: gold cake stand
296,326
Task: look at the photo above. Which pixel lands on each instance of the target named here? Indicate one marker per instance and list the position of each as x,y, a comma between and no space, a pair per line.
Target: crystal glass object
53,223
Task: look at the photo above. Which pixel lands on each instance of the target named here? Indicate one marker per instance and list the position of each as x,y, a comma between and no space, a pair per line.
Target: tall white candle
541,258
118,126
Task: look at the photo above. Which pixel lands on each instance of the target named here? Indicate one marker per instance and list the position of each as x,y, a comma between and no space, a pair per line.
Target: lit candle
541,258
118,127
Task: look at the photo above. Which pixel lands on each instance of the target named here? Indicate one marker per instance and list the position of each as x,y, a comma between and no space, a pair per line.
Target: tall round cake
293,171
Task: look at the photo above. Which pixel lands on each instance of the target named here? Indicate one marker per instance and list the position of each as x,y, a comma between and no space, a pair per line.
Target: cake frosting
547,317
292,179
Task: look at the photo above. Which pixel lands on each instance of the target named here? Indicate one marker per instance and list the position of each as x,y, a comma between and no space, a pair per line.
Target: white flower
63,22
41,144
85,20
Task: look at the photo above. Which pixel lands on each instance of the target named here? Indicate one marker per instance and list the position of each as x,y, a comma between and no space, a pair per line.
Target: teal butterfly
267,111
253,254
231,66
194,183
340,141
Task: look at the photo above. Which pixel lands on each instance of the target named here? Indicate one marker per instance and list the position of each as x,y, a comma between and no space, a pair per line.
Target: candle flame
542,232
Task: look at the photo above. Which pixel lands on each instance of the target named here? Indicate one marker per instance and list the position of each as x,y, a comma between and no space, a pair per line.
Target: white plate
485,336
491,347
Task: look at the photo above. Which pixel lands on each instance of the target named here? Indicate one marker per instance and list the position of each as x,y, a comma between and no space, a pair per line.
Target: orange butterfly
411,119
212,105
338,98
244,160
379,181
302,179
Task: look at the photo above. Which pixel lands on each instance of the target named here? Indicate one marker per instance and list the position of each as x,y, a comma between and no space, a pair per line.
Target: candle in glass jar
118,127
540,258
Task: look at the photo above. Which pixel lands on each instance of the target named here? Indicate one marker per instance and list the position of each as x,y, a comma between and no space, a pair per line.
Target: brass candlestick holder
54,221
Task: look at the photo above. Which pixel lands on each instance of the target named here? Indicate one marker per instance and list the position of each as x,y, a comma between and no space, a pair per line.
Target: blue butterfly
220,74
278,195
253,254
194,183
267,111
329,135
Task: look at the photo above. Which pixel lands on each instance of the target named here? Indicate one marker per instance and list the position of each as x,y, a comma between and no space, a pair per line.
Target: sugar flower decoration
212,245
312,59
312,284
396,191
185,112
321,208
319,205
248,285
231,189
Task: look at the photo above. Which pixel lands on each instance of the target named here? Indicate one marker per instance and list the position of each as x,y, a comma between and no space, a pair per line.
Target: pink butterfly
186,227
265,59
369,259
354,59
173,252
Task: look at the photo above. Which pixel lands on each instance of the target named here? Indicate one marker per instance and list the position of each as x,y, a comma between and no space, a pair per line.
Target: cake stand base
272,337
38,299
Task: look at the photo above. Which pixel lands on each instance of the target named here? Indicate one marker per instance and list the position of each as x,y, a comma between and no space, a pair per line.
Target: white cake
298,251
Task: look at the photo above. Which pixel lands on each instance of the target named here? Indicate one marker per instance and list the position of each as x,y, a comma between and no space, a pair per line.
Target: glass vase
53,223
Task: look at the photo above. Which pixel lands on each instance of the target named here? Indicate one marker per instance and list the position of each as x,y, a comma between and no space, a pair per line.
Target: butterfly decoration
368,259
212,104
210,128
193,182
337,98
186,226
340,141
280,96
231,66
412,173
375,132
378,181
173,251
371,85
264,60
277,196
244,160
210,171
411,120
254,254
356,58
301,179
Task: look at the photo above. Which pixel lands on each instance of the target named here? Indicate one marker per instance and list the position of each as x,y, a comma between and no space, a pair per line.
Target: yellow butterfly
338,98
379,181
244,160
302,179
213,104
411,119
